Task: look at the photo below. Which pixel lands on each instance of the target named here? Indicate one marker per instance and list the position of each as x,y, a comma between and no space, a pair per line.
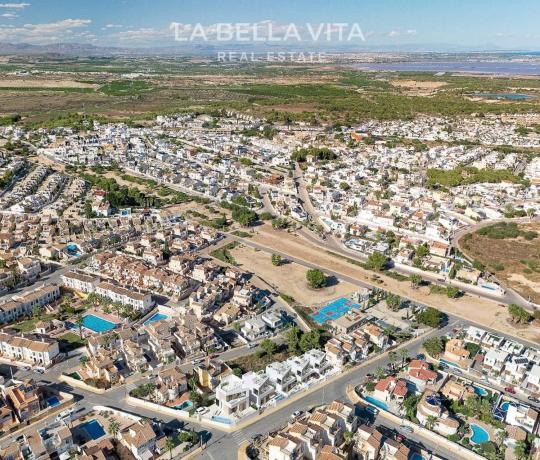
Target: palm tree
416,281
430,422
501,436
521,451
114,427
392,358
379,373
80,322
170,445
83,360
404,355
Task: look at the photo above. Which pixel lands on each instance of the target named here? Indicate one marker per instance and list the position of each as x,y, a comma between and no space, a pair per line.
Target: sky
437,25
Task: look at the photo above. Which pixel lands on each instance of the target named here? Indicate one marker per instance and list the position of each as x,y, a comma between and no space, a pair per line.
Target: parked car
533,399
406,428
201,410
296,414
510,390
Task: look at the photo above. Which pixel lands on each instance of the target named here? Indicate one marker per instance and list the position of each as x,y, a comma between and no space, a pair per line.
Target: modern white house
232,395
281,376
259,387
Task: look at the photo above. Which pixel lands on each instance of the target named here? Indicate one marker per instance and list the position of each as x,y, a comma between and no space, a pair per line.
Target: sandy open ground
478,310
418,88
289,278
43,83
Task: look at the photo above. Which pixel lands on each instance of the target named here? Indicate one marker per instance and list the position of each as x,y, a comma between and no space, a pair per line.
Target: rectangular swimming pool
334,310
156,317
93,428
97,324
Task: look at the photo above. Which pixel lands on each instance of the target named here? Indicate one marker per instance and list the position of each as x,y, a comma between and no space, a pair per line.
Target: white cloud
43,33
9,15
114,26
141,35
19,6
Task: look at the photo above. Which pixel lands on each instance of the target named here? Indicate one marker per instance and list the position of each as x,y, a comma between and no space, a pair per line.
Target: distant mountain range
207,49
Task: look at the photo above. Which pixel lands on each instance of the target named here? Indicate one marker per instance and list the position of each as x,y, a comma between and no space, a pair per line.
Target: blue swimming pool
186,405
93,428
480,391
376,402
73,250
53,401
417,456
448,363
479,435
156,317
224,420
505,405
334,310
97,324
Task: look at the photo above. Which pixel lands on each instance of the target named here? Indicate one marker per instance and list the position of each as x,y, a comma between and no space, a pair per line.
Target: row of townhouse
235,394
28,348
140,301
22,305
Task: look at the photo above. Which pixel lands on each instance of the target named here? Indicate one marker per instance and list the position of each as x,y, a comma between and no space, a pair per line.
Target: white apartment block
141,302
23,305
32,349
80,281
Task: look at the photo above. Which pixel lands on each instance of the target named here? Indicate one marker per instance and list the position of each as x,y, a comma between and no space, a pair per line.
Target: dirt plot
484,312
418,88
515,261
43,83
289,278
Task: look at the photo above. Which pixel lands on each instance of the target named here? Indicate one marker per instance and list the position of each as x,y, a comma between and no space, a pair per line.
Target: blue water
97,324
479,434
53,401
94,429
448,363
219,419
417,456
334,310
186,405
505,405
73,250
155,317
480,391
502,67
376,402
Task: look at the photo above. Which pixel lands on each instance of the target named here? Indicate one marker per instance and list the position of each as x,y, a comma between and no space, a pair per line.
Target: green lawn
70,341
30,324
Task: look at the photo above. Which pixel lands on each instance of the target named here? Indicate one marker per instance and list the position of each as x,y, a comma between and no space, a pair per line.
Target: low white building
32,349
232,395
141,302
80,281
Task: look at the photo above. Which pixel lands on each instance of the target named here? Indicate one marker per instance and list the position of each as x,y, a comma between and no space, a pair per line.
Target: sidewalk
242,451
